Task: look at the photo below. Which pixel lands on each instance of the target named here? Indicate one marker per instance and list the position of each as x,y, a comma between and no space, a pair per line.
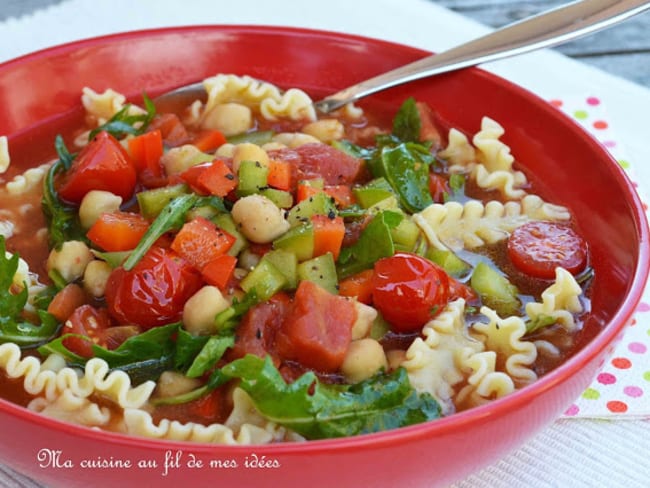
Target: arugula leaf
187,347
375,242
212,351
170,218
123,123
13,328
228,319
406,167
352,149
319,411
143,357
62,220
407,124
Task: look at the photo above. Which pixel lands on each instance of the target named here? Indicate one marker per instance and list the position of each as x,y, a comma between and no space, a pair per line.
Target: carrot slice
200,241
328,235
358,285
66,301
146,150
279,175
217,179
305,190
118,231
219,271
208,140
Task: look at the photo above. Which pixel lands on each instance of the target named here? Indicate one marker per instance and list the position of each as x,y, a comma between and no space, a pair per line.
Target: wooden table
623,50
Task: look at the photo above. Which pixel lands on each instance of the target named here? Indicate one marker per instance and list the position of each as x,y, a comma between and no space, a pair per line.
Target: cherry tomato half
537,248
102,165
409,290
154,292
86,321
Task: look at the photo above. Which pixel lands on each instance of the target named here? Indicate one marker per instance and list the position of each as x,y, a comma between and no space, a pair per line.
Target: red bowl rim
456,422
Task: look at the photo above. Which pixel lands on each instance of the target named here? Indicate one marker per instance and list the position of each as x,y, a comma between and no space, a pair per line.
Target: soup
240,269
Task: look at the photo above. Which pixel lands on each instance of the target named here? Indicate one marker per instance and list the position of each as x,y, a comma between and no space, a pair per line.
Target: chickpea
179,159
95,203
365,317
259,219
172,383
325,130
226,150
199,311
70,261
248,151
229,118
95,277
364,358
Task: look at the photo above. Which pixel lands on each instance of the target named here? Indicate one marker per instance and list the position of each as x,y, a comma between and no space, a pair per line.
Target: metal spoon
544,30
548,29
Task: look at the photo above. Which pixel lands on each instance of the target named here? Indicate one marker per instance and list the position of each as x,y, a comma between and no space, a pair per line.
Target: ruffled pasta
5,160
263,96
26,182
39,379
559,301
459,152
456,226
484,383
244,426
438,362
503,335
491,152
71,408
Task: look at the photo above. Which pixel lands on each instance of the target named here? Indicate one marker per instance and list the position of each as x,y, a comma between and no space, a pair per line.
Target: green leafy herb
406,167
539,322
187,347
212,351
407,124
63,220
143,357
318,411
352,149
228,319
375,242
123,123
170,218
13,327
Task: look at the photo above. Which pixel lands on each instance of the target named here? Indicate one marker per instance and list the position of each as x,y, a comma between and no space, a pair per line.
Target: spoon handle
548,29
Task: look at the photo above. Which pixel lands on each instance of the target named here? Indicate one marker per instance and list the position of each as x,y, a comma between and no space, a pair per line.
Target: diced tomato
208,140
359,286
438,187
172,129
102,165
211,408
154,292
428,129
146,151
200,241
86,321
217,179
317,160
279,175
256,332
342,194
538,247
66,301
328,235
409,290
461,290
118,231
317,330
219,271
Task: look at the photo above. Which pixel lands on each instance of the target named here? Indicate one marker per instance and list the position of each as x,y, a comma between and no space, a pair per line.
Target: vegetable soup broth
386,300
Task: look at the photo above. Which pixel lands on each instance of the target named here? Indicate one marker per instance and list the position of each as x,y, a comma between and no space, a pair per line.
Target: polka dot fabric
622,387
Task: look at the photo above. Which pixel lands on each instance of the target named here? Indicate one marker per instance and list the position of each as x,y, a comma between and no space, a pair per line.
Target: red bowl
569,167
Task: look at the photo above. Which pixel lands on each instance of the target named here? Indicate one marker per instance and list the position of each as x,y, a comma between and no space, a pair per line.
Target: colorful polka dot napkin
622,387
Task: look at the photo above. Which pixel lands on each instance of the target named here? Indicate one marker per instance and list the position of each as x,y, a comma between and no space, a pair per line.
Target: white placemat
571,452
